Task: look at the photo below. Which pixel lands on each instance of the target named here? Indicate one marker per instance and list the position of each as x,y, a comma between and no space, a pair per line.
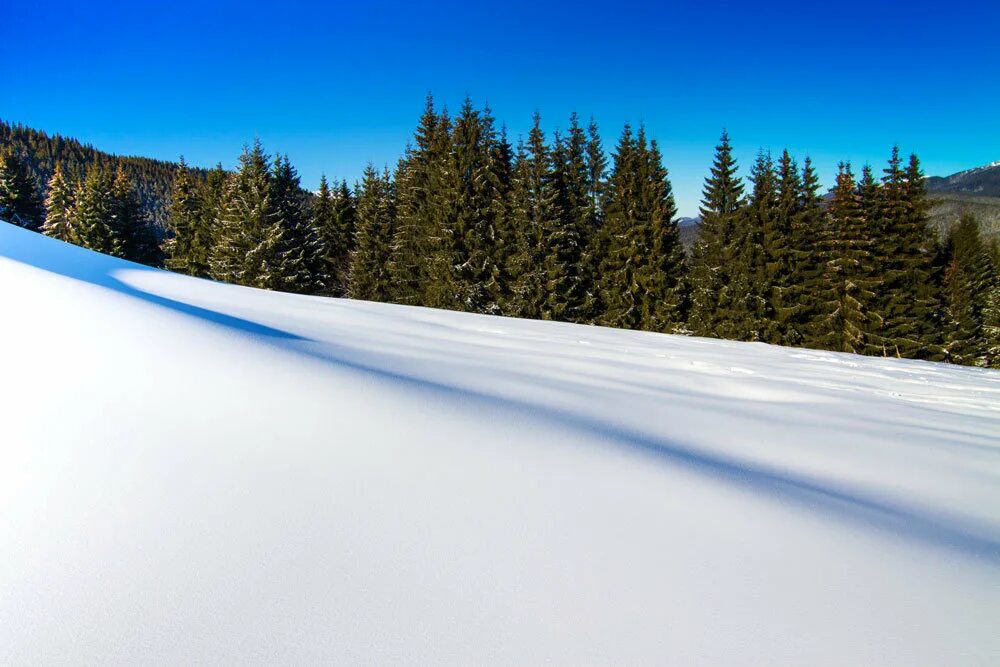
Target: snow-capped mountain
982,181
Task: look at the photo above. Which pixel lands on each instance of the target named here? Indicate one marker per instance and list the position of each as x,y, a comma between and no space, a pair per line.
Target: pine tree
563,294
781,246
909,305
328,221
248,238
94,216
535,210
991,310
138,238
58,209
969,278
754,272
19,202
370,277
441,288
186,217
714,256
846,322
596,166
300,253
809,243
641,274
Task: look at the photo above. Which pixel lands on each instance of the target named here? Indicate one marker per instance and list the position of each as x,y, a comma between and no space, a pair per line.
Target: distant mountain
975,190
980,181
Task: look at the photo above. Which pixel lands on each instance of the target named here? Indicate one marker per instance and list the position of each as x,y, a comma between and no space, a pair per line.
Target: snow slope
200,473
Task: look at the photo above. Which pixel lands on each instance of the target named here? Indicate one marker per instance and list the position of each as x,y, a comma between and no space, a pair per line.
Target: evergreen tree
849,286
333,226
535,210
641,275
563,294
809,241
248,238
138,238
909,305
94,216
370,278
301,253
784,283
749,308
185,225
715,254
969,278
59,208
19,202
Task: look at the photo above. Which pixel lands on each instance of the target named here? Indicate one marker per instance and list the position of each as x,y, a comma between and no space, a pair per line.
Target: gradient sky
336,86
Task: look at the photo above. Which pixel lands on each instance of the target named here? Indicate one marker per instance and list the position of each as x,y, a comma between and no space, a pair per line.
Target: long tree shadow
908,521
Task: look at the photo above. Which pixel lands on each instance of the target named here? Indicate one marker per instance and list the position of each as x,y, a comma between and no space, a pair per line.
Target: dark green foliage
186,248
412,244
248,239
969,280
333,220
714,296
301,252
909,304
59,209
641,276
94,215
845,318
139,241
466,224
19,200
370,278
152,179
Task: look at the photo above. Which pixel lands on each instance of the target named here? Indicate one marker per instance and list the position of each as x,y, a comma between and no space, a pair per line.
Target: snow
199,473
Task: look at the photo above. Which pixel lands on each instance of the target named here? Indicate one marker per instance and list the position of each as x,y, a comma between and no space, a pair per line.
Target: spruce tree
752,275
370,278
846,321
535,210
185,223
328,222
564,293
715,254
909,304
968,280
248,239
95,214
139,239
641,274
19,200
412,243
809,257
301,252
781,247
59,208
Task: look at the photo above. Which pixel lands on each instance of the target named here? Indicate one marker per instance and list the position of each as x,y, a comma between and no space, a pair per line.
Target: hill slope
302,480
153,179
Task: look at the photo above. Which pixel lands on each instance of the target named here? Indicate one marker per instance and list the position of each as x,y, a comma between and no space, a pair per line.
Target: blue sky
335,86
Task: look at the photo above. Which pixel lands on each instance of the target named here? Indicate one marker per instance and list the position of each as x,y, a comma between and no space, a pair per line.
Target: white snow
200,473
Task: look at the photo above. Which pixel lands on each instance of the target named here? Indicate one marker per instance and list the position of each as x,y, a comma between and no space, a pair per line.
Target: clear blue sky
336,85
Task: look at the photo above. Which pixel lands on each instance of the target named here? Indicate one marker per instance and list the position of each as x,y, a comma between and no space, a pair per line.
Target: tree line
548,227
41,152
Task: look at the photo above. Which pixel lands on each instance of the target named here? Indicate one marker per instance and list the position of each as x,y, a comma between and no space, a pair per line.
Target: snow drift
196,472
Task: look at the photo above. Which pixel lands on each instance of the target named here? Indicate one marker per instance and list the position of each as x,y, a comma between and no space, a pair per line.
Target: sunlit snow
199,473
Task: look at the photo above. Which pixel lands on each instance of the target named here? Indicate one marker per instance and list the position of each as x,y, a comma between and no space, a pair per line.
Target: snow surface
199,473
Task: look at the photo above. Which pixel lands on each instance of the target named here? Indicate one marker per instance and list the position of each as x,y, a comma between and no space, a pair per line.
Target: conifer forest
555,226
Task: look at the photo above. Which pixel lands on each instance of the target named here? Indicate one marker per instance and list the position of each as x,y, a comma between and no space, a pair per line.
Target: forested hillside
41,152
548,227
